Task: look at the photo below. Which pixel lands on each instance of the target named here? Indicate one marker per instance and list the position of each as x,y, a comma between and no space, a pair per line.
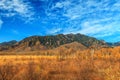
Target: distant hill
7,45
116,44
113,44
10,43
53,41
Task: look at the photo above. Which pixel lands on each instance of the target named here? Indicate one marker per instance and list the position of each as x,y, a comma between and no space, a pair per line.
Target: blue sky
23,18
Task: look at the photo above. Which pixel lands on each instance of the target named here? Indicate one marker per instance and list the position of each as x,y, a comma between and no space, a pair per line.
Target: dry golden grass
22,59
102,64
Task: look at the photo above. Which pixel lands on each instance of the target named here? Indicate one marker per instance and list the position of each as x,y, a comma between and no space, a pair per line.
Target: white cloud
54,30
99,30
22,8
15,32
62,4
92,8
58,5
99,18
94,28
91,17
19,8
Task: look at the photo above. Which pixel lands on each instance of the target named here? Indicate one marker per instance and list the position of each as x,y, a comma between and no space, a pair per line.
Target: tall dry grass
104,64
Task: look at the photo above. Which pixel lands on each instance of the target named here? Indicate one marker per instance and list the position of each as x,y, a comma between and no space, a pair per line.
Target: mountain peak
53,41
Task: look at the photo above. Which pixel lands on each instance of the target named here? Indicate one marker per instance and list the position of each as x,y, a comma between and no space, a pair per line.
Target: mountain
117,44
10,43
54,41
6,45
113,44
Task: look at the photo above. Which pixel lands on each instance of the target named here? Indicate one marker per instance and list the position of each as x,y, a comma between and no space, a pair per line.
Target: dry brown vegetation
62,64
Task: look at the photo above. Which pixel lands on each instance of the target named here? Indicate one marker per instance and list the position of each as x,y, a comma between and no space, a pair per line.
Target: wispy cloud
15,32
91,17
19,8
98,18
54,30
62,4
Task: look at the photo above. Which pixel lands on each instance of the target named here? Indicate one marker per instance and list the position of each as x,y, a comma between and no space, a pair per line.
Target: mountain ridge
53,41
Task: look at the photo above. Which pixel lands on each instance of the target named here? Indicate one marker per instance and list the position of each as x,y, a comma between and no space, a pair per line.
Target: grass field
79,67
101,64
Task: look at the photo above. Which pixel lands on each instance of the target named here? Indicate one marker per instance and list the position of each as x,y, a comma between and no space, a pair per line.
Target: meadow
101,64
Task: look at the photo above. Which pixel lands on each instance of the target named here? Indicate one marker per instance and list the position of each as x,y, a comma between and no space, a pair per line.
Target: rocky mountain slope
49,42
